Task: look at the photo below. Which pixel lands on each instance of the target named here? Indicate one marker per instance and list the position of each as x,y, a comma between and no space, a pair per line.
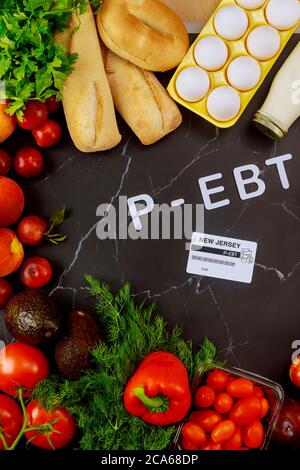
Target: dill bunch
132,332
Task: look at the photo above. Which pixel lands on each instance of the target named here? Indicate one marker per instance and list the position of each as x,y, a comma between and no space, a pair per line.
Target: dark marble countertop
252,325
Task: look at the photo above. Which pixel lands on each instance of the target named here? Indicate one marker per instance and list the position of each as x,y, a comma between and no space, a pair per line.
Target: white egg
283,14
231,22
244,73
192,84
223,103
211,53
250,4
263,42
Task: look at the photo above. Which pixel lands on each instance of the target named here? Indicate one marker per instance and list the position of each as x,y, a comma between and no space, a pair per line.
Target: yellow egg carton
236,47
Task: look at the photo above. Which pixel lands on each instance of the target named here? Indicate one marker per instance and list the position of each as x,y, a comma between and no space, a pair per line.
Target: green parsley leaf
32,66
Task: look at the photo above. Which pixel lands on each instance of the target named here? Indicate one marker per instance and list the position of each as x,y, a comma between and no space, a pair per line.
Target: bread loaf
145,32
87,99
141,100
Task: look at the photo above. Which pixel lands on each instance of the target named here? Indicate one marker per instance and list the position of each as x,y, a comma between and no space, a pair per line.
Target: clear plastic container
273,392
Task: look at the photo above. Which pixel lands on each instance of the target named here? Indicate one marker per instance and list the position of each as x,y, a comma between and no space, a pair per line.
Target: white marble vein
86,236
195,159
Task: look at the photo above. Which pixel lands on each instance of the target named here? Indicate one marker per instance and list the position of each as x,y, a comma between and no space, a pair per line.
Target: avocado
73,353
32,317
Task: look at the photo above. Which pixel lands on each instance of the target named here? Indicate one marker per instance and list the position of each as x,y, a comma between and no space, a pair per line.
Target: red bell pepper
159,391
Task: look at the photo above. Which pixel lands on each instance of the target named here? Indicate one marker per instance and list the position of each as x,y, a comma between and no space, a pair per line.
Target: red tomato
11,252
223,403
35,115
211,445
235,442
21,365
11,420
295,372
254,435
223,431
218,380
5,163
204,397
264,407
11,201
240,388
207,419
192,432
48,134
36,272
257,391
186,445
52,105
29,163
6,292
58,434
246,410
31,230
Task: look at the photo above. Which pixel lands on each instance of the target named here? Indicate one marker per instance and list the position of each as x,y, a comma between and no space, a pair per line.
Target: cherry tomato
36,272
240,388
204,397
207,419
48,134
29,163
52,105
257,391
218,380
235,442
223,431
11,419
295,372
6,292
61,427
34,116
21,365
211,445
31,230
223,403
192,432
5,163
186,445
264,407
246,411
254,435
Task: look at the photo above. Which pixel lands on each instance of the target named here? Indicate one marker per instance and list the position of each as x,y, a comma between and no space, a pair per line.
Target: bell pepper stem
157,404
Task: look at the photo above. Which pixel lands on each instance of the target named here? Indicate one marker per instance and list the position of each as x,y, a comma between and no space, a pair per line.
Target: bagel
141,100
145,32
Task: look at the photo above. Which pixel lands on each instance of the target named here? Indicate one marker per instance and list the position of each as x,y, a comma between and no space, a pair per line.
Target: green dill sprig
96,399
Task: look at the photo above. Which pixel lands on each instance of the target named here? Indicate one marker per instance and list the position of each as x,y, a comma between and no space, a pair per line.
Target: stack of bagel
118,51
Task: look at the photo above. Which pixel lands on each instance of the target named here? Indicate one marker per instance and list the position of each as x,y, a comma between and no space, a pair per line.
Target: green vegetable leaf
32,66
57,218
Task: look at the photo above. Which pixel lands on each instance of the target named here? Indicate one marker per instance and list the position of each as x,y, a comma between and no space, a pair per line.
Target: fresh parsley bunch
32,66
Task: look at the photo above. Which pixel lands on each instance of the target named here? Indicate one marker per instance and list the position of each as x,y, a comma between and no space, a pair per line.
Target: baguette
141,100
87,99
146,32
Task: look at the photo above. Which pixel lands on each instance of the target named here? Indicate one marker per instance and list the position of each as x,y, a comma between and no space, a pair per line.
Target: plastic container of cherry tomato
273,392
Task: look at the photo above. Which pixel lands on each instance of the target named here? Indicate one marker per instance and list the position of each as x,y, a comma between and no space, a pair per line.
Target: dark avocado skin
72,353
32,317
